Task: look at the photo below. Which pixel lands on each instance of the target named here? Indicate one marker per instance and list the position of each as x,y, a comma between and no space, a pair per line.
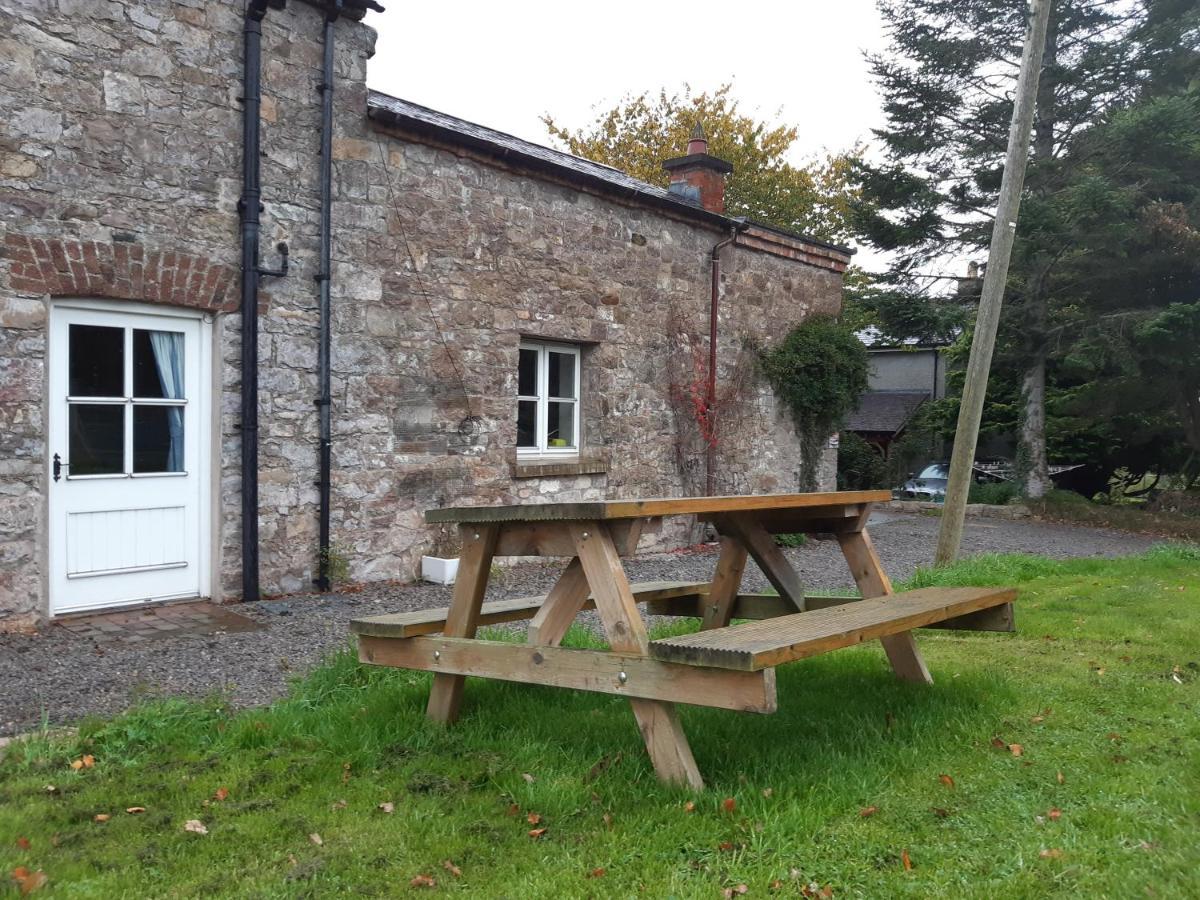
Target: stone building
509,323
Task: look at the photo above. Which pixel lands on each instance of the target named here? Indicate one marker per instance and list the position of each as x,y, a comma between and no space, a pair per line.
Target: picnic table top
661,506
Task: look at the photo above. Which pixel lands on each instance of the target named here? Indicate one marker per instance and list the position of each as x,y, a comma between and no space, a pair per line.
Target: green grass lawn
1100,688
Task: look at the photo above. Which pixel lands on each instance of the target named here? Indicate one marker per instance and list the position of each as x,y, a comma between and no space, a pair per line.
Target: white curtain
168,358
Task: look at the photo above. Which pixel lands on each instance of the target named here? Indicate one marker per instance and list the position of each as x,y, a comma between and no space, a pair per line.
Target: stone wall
120,132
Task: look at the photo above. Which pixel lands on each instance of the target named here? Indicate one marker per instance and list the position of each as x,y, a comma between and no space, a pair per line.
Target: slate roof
885,411
419,119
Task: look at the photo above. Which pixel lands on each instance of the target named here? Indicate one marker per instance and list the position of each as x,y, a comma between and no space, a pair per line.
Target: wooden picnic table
730,666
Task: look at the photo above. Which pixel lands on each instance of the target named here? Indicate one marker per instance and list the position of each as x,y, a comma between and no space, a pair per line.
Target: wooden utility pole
1004,232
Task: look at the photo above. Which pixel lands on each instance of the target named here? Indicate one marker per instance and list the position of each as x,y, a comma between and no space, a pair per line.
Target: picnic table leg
474,565
560,607
726,581
762,547
657,720
872,581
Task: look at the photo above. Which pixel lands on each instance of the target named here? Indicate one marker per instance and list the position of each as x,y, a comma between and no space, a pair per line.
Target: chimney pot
699,177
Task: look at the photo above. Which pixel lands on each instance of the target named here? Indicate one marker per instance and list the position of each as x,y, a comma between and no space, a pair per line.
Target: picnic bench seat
751,646
497,612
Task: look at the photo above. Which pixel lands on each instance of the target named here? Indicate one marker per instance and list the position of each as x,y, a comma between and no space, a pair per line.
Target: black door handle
57,467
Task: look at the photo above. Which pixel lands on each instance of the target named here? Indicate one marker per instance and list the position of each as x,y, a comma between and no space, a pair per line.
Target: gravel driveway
63,676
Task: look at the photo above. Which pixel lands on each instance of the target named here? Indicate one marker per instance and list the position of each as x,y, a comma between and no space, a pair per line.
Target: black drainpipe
323,351
250,208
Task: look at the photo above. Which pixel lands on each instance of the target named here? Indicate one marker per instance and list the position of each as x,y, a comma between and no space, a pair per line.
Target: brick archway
119,270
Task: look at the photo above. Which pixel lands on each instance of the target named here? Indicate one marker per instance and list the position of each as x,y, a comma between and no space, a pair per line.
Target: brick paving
169,620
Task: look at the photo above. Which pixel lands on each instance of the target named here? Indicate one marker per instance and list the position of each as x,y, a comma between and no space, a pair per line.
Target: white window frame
542,450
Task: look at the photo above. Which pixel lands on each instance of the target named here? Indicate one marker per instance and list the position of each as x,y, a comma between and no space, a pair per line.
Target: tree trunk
1033,471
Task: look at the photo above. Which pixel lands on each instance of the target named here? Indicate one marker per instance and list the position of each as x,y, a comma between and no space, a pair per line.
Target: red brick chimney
699,177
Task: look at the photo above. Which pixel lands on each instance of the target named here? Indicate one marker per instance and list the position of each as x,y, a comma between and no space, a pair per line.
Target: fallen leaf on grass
1060,778
23,843
533,818
338,804
84,762
867,812
221,794
598,872
1054,815
345,773
27,881
690,806
101,817
904,858
1016,749
939,812
536,833
735,891
767,792
729,804
135,810
316,839
725,846
607,819
529,779
451,868
946,780
814,890
387,807
423,881
513,809
195,826
775,885
1113,736
1054,853
999,743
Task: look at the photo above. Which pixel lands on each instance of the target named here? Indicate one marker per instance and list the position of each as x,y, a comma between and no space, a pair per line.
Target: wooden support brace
872,581
761,546
658,721
478,547
598,671
560,607
726,581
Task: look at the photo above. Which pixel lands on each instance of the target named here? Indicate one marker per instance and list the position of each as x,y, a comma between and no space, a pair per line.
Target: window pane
526,423
527,373
158,364
562,375
560,430
96,442
158,439
96,361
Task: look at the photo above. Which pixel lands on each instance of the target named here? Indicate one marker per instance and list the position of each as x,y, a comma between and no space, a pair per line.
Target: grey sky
505,64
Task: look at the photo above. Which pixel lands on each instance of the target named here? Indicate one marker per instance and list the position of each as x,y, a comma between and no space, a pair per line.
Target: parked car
930,483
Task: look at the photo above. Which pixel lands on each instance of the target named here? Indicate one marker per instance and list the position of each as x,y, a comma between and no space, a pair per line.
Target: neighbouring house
902,377
505,323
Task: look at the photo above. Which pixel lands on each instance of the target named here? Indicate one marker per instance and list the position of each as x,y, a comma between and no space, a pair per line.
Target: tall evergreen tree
947,82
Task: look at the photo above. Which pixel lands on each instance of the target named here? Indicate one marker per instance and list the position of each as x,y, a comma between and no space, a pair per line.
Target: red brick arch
119,270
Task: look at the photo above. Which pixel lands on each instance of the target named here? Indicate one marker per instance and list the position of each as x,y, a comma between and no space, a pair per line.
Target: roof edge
379,111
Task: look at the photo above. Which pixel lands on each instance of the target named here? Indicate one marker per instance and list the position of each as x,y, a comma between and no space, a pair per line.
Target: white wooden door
129,437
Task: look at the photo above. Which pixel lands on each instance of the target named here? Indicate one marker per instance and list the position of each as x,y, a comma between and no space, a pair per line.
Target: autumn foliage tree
641,131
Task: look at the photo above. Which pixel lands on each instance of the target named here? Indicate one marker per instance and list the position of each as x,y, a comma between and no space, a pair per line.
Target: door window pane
96,361
562,375
527,373
96,442
158,364
560,430
158,439
526,423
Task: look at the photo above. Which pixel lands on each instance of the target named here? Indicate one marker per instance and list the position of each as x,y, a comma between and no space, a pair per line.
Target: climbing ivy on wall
818,372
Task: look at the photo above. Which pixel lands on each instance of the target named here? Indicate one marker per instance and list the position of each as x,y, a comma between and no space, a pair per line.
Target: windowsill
584,463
